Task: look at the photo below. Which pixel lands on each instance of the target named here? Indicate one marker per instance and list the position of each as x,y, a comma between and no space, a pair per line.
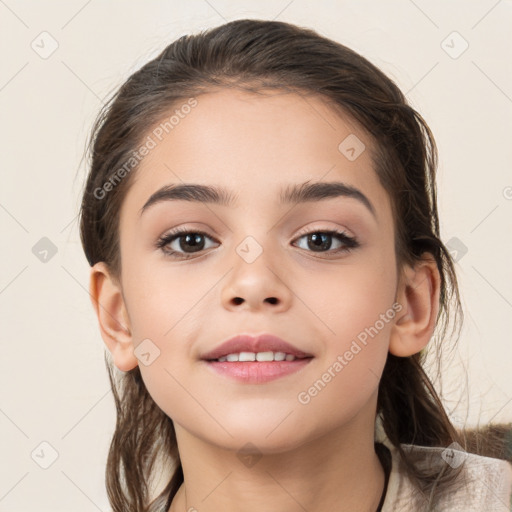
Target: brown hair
254,55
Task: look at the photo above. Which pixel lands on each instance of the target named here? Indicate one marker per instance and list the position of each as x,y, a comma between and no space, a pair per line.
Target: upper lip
250,343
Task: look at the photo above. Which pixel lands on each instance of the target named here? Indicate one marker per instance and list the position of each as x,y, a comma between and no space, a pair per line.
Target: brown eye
182,243
322,241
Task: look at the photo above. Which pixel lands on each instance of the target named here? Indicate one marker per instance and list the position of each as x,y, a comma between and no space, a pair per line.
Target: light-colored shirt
483,484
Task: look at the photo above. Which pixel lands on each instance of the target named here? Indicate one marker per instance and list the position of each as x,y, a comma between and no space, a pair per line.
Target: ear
418,293
108,302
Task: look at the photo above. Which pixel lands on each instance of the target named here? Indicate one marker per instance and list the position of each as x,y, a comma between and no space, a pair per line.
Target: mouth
256,360
242,347
266,357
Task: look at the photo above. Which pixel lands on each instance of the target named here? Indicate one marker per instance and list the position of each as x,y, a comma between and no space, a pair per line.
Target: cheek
346,301
355,350
158,298
355,309
162,311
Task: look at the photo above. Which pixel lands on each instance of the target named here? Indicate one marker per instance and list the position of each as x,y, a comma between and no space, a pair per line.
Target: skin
316,456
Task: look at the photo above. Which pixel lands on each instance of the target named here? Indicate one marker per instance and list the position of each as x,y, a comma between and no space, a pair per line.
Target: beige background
53,384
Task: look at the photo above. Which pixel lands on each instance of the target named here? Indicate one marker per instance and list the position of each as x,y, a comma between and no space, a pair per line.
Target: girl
261,221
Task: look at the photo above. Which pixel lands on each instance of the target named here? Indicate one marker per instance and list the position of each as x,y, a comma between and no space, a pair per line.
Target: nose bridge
254,237
257,229
255,255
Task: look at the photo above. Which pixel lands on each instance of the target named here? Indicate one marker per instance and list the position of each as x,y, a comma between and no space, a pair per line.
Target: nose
240,300
257,286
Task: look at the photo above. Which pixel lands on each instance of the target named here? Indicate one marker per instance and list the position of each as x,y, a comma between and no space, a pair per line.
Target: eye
183,244
322,241
189,242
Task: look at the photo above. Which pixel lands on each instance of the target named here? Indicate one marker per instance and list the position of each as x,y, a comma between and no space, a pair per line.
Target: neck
338,471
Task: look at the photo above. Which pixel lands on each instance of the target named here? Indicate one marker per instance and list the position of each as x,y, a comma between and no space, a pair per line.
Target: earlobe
108,303
418,293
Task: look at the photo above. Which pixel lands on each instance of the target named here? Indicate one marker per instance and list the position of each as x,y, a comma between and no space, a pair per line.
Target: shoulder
480,483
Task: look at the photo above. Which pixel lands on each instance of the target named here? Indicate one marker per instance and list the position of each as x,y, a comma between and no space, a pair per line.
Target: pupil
320,241
194,241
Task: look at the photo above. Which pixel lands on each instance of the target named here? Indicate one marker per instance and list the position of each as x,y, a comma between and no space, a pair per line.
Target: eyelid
303,231
323,228
180,231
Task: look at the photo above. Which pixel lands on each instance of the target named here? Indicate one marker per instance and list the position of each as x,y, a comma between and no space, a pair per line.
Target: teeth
279,356
265,356
247,356
260,356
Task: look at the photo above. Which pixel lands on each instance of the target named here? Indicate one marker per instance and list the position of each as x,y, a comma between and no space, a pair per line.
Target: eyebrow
297,193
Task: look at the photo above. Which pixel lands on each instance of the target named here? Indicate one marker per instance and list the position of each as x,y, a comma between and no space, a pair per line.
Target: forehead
253,144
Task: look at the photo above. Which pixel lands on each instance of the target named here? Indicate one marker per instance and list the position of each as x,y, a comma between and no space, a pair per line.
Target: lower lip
258,372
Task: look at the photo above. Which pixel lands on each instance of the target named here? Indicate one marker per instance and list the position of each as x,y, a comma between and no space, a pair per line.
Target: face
260,265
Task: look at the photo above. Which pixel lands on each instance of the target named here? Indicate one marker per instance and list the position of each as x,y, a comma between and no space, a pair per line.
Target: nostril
272,300
238,300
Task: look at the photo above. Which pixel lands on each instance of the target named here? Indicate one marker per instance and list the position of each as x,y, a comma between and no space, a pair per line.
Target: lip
256,372
249,343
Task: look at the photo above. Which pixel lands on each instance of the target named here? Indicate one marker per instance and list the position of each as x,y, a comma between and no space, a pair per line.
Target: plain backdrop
61,59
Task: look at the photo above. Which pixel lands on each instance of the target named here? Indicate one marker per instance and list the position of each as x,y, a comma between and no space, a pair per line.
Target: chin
267,437
257,443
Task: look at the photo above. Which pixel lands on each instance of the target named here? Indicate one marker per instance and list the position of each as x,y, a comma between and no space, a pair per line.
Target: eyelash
349,242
